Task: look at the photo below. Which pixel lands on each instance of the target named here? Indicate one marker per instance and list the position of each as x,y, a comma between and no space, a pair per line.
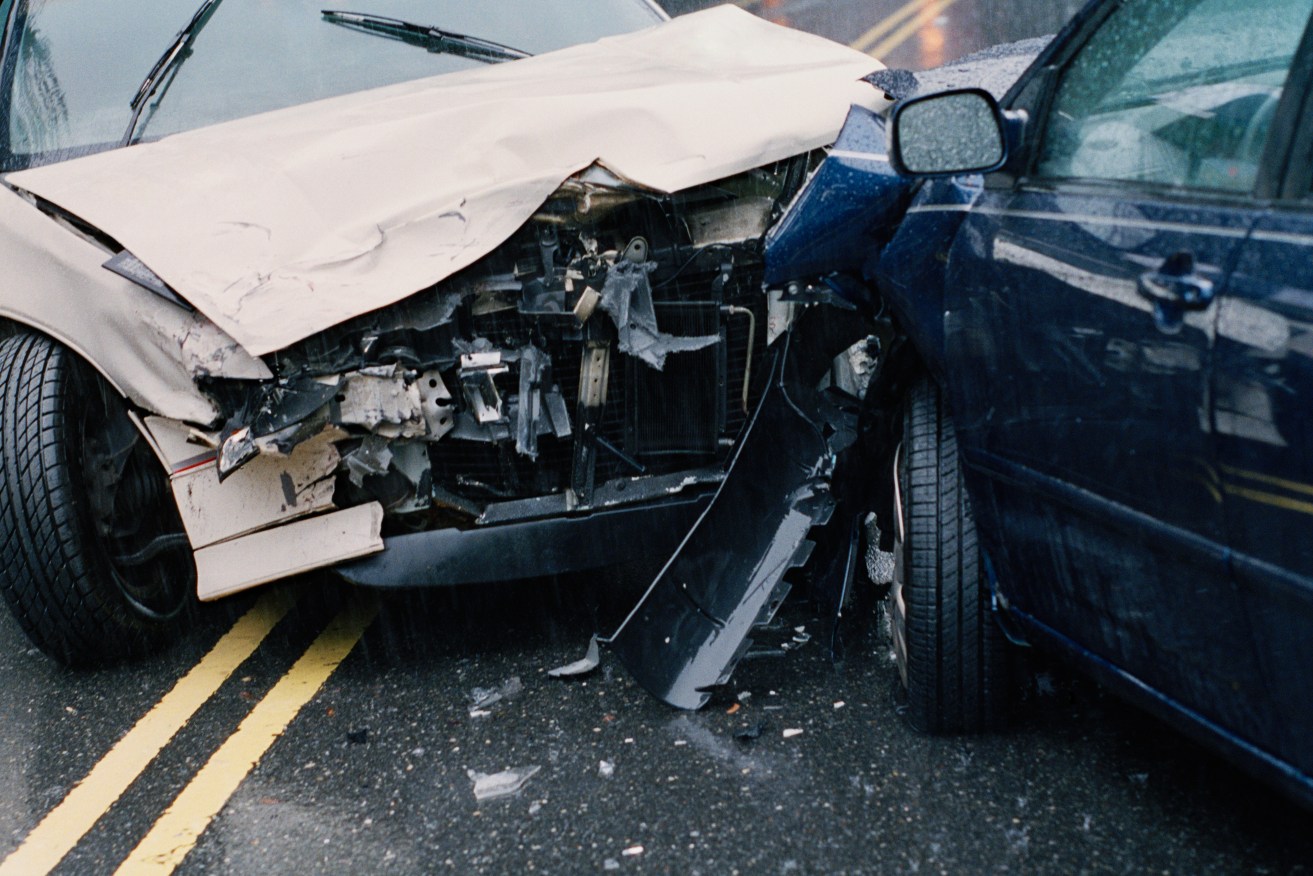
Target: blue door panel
1264,425
1083,407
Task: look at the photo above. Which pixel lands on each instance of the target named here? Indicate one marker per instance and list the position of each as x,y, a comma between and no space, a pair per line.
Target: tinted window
1175,92
76,64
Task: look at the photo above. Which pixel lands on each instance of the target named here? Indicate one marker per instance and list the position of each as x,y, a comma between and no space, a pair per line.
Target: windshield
71,67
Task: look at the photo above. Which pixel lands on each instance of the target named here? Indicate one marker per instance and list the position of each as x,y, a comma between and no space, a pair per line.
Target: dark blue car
1097,369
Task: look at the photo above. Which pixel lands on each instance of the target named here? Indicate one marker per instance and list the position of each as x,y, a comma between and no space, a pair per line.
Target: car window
74,65
1174,92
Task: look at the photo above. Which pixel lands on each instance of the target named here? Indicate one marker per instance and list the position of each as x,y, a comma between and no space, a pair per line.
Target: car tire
950,651
94,564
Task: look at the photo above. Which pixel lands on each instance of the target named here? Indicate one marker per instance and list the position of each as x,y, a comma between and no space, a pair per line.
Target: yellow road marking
1293,486
178,829
1270,499
928,12
68,822
865,41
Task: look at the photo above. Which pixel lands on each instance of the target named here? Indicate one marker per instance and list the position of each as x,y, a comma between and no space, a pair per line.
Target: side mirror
950,133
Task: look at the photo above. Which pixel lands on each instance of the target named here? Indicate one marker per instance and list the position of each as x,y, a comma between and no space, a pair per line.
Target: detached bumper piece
691,627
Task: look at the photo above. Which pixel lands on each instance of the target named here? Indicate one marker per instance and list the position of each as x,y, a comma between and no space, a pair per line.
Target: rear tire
94,564
951,653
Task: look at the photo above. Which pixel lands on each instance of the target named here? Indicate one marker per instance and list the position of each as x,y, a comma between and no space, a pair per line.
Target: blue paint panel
847,207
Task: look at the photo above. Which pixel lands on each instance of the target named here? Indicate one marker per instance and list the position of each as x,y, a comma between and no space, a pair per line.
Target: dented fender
149,349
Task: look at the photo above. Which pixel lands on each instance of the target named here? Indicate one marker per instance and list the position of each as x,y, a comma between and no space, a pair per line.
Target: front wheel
94,563
950,651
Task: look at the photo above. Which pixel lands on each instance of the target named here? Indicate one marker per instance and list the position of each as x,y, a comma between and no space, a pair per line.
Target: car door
1079,329
1264,425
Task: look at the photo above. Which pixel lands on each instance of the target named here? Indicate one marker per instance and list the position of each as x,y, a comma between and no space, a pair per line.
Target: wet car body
1113,307
502,322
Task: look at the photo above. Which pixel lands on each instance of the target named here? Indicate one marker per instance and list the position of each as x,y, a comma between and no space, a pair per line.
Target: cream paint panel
266,491
265,556
281,225
54,282
177,445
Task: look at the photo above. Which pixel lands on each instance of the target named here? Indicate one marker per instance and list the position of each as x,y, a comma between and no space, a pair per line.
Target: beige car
429,305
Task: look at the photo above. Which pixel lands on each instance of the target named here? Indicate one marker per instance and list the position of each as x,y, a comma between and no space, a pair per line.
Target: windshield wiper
177,52
432,38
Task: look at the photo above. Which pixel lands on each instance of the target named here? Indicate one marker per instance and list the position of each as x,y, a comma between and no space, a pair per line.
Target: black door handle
1177,284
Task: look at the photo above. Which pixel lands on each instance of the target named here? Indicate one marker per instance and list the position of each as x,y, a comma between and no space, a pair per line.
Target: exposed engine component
612,337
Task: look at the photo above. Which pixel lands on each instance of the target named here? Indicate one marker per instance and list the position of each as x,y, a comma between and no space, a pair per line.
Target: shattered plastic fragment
482,697
632,851
606,769
372,457
490,786
792,732
579,667
751,732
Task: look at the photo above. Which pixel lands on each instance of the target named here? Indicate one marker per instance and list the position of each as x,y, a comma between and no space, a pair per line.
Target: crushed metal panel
266,491
242,563
54,282
382,401
281,225
691,627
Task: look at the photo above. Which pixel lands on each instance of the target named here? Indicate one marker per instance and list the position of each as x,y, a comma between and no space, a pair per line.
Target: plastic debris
632,851
479,713
744,695
583,666
482,697
792,732
839,705
733,709
751,732
490,786
606,769
535,807
610,864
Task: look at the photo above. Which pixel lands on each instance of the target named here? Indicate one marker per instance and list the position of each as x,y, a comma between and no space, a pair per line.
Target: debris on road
490,786
482,697
582,666
606,769
751,732
792,732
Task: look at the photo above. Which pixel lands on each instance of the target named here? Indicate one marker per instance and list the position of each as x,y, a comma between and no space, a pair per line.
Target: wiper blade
174,55
432,38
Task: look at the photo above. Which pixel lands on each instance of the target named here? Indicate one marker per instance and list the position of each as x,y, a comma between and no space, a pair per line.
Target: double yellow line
894,30
175,833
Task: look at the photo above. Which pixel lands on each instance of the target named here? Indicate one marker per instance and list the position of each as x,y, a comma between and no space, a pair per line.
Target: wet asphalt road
372,773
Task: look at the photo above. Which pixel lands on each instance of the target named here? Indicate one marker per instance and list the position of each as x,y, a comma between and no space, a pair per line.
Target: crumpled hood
281,225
